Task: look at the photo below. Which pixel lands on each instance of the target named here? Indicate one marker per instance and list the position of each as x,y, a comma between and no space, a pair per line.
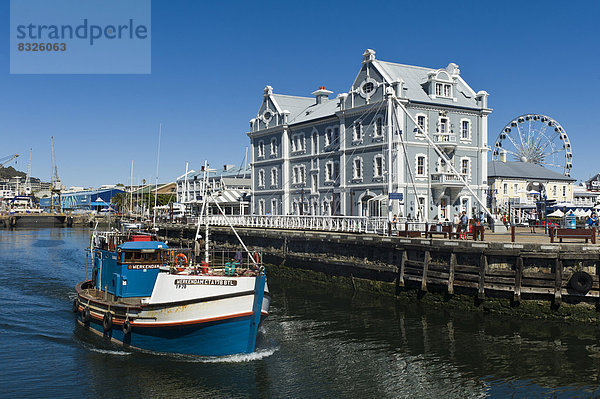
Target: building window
315,142
368,87
314,184
505,189
261,178
329,171
516,188
443,125
447,90
336,136
357,171
260,149
261,207
274,177
357,133
274,207
273,146
421,167
328,136
465,129
422,122
298,143
378,132
298,174
554,191
564,189
438,89
465,167
378,166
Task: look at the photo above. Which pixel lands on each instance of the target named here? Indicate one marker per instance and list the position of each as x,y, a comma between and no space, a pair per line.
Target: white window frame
314,143
445,125
469,130
505,188
425,127
260,149
357,132
329,171
424,174
357,173
274,177
261,207
328,136
274,146
469,165
274,206
375,171
261,178
298,143
299,174
378,127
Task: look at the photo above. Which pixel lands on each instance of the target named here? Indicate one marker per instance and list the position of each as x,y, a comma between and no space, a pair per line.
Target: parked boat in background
24,212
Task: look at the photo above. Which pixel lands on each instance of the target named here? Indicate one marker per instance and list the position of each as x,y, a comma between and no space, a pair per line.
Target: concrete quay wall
536,280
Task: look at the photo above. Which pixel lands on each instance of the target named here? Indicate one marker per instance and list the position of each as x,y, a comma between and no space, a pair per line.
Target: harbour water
319,341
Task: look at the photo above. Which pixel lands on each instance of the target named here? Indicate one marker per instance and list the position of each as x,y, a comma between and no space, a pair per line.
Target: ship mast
56,183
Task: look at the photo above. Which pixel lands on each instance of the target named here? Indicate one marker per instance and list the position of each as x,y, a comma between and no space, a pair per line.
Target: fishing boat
144,294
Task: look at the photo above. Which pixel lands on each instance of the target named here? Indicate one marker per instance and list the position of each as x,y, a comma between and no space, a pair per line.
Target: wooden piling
451,273
425,268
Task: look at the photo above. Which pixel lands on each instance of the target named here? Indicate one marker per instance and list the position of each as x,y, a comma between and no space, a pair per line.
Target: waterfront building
230,187
382,139
583,197
86,200
515,187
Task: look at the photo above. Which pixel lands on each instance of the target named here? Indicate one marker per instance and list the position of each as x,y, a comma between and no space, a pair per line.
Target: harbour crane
27,188
8,159
56,185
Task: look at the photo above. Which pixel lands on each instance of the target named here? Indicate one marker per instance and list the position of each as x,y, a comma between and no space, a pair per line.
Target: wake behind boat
145,295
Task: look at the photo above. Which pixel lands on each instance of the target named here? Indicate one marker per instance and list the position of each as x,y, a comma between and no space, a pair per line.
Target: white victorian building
404,140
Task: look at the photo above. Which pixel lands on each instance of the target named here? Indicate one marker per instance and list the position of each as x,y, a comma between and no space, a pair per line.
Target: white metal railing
344,224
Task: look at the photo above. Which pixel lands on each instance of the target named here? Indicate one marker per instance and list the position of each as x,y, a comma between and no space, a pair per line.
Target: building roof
414,77
295,104
524,170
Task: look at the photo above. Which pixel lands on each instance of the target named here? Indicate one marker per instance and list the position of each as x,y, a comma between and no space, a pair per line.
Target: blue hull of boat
218,338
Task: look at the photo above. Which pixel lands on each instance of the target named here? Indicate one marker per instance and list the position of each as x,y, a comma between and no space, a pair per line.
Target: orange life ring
184,262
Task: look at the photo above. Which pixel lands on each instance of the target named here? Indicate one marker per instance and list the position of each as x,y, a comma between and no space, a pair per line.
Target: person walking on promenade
464,225
532,221
456,223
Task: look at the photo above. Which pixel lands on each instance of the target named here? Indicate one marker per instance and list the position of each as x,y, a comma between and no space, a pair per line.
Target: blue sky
211,61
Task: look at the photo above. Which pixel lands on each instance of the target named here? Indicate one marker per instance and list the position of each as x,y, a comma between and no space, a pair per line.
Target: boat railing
220,261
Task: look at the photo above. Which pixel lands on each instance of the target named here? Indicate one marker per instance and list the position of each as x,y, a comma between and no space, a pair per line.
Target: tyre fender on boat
107,321
581,282
85,314
126,327
75,305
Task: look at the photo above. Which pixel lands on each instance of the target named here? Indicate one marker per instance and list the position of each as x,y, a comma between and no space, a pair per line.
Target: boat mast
156,180
185,184
131,191
389,157
205,206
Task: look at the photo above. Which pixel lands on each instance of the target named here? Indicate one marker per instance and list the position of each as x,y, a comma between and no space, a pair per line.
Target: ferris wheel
537,139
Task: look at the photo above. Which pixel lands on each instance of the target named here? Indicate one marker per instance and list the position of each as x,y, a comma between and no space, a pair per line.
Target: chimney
321,95
481,98
503,156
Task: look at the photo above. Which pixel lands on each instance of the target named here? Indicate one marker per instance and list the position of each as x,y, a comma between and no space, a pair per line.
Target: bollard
551,234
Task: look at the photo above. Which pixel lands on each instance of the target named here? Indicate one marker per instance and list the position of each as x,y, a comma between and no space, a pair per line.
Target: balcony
445,179
446,141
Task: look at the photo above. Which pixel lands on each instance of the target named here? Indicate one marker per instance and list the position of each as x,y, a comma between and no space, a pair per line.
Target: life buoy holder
107,321
581,282
127,327
85,314
204,267
181,262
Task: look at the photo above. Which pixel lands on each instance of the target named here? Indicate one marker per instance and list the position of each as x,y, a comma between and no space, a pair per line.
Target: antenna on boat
156,181
131,191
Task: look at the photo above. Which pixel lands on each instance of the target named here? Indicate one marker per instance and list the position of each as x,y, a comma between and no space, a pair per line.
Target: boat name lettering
139,267
181,283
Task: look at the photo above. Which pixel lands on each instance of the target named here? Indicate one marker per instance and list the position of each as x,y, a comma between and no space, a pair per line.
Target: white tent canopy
557,213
